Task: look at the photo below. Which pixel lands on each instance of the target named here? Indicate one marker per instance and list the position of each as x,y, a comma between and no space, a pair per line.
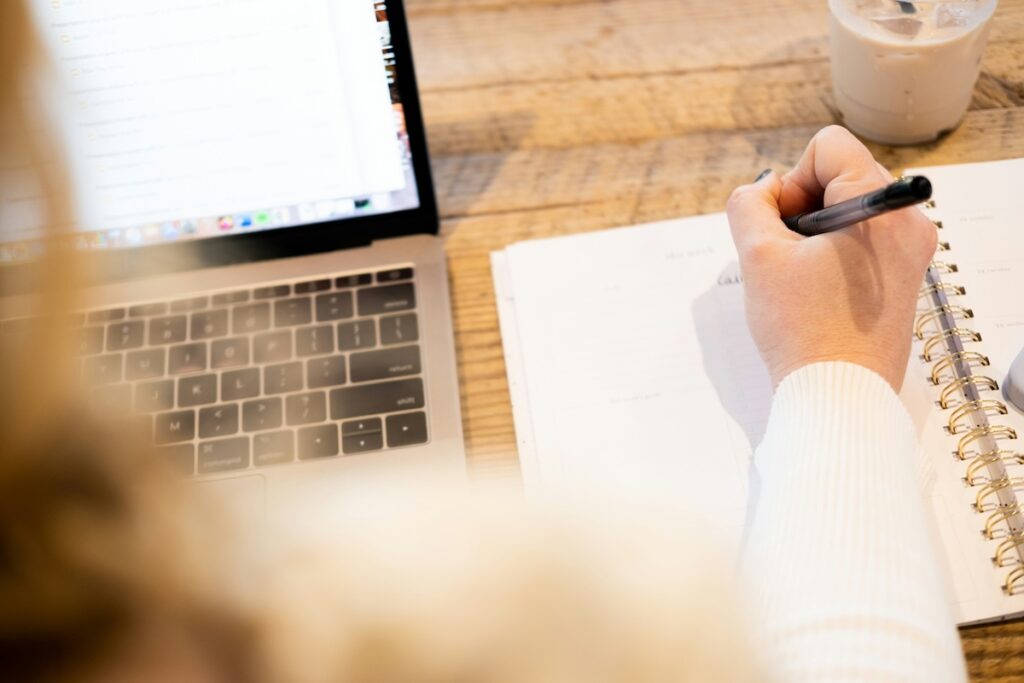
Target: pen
901,194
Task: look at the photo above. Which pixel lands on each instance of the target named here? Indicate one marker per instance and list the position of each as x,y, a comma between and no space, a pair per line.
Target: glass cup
903,71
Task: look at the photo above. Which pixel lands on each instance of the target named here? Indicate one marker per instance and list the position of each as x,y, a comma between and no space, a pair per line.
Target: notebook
631,369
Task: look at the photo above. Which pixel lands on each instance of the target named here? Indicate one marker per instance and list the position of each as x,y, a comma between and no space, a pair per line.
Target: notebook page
982,211
642,373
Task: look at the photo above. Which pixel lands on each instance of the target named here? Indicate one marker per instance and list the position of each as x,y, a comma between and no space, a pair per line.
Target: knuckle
757,252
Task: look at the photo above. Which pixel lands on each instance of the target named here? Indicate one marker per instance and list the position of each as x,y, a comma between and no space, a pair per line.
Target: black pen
901,194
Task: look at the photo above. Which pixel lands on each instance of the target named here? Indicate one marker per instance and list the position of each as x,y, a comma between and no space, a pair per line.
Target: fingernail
764,174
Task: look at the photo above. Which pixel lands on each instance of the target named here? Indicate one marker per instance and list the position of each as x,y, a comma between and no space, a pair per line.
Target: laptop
252,182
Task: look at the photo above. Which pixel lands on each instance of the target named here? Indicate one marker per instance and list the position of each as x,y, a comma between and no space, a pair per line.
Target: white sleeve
839,555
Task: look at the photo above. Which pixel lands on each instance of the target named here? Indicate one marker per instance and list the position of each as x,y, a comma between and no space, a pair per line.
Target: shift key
376,300
374,399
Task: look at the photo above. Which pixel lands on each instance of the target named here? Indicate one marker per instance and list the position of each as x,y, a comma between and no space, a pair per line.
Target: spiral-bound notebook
631,368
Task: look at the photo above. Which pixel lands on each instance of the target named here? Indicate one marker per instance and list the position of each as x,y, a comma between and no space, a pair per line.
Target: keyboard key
282,379
376,300
225,455
123,336
273,448
197,391
387,364
209,324
90,340
152,397
250,318
188,305
304,409
181,457
399,329
362,436
291,312
107,316
229,353
311,287
274,292
230,298
394,275
407,430
168,330
373,399
218,421
263,414
145,364
371,425
273,347
186,358
334,306
104,369
325,372
318,442
362,443
314,341
240,384
114,398
350,281
147,310
361,334
175,427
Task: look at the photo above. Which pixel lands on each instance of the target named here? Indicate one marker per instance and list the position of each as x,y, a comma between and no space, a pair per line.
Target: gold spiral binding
1017,575
935,340
993,431
1009,545
930,204
947,362
937,224
981,462
943,246
936,313
944,267
1000,516
954,290
993,489
987,406
956,385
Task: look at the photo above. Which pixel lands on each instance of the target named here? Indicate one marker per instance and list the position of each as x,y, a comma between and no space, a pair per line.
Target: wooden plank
532,42
642,108
678,176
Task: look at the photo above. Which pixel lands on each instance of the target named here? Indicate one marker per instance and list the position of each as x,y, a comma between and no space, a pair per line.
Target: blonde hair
86,511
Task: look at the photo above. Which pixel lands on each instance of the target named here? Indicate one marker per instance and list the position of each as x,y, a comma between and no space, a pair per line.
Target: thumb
753,212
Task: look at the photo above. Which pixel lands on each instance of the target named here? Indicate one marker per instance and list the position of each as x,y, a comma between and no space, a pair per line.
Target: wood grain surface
550,117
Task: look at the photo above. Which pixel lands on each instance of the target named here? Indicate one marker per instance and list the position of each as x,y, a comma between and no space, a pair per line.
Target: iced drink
903,71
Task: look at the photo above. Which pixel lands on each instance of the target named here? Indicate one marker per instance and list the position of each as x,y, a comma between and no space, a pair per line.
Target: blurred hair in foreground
111,570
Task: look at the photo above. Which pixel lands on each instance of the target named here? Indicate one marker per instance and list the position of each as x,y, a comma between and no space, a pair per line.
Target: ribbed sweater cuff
840,550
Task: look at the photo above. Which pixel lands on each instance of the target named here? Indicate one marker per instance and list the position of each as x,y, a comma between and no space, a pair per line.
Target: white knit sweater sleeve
845,576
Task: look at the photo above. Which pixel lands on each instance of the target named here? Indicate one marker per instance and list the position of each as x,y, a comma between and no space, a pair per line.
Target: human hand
848,295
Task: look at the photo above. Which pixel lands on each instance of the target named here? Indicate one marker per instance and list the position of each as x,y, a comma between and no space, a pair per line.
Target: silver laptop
252,180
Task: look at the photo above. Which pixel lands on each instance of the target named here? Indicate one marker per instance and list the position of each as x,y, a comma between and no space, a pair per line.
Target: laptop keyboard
279,373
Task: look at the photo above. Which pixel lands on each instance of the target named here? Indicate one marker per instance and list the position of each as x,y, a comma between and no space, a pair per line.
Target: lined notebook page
982,212
642,375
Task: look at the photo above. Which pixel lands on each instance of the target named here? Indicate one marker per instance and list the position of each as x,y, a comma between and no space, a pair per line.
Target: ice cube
904,27
948,15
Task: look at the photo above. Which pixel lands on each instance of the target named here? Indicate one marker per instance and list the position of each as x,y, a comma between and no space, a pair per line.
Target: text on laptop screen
194,119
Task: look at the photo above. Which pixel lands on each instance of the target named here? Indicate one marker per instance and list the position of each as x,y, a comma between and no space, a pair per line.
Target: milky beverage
903,71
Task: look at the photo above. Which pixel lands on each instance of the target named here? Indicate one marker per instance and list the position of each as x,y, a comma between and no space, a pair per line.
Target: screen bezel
127,264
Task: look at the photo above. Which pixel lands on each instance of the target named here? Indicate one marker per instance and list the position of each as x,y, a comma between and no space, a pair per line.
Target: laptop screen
200,119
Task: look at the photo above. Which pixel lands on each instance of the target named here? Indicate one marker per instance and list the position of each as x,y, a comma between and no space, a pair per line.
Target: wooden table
558,116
